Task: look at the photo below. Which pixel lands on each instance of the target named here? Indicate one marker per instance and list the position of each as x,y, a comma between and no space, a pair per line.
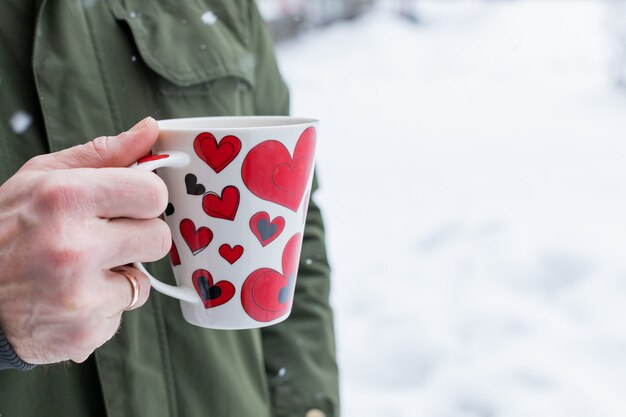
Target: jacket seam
42,103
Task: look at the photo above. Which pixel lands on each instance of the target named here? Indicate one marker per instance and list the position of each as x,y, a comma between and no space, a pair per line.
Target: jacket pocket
198,51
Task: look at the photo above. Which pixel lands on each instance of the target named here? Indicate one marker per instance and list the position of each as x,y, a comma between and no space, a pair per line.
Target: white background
473,178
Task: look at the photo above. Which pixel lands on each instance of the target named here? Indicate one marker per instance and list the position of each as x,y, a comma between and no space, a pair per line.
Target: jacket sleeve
299,353
8,357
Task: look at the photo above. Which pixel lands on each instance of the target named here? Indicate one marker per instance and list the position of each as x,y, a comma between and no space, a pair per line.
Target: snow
209,18
473,180
20,121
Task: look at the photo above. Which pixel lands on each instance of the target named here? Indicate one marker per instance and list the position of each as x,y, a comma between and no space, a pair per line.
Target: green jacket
86,68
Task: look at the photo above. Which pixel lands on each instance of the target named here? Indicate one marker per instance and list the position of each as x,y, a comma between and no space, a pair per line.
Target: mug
239,189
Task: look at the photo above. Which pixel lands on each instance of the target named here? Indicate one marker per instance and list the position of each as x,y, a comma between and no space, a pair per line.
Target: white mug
238,191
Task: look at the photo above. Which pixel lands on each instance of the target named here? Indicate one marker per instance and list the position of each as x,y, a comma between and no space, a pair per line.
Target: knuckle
56,193
35,162
63,259
98,147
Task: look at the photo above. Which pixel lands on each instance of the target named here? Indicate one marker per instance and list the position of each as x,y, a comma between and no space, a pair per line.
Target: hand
68,219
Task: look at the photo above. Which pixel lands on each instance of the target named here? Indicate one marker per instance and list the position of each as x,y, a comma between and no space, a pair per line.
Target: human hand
69,219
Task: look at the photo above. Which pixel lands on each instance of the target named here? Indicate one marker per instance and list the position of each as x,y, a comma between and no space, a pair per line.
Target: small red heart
231,253
224,206
217,156
267,294
152,158
212,295
174,256
197,240
266,231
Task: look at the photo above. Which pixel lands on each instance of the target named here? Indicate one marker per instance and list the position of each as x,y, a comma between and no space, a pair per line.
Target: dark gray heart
284,295
206,291
169,210
193,188
266,229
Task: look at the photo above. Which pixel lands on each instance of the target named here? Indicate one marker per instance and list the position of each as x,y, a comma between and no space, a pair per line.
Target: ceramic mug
238,190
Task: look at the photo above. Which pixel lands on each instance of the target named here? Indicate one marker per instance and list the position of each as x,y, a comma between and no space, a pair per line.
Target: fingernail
143,123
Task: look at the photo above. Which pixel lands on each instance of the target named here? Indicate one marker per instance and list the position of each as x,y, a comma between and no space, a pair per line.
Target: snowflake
20,121
209,18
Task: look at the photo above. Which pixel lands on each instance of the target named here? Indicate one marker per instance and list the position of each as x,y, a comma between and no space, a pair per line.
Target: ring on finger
132,279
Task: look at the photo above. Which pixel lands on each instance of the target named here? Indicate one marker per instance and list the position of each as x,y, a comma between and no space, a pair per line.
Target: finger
104,151
105,192
124,241
131,193
122,292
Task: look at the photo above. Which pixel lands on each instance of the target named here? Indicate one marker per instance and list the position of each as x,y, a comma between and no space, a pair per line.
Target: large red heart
267,294
217,156
231,253
196,239
264,229
212,295
224,206
272,174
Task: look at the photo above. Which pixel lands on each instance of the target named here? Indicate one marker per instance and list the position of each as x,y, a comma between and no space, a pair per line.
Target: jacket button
314,412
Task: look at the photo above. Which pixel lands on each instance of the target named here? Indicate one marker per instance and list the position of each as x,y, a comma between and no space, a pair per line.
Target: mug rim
192,124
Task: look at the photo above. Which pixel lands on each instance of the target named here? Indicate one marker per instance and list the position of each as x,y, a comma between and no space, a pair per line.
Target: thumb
104,151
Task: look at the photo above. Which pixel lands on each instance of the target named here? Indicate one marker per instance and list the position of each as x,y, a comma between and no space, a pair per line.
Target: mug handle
150,163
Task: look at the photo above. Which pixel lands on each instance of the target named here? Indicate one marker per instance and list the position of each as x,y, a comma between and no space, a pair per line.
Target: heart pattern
231,253
271,173
196,239
174,256
222,206
266,230
217,156
267,294
212,294
193,188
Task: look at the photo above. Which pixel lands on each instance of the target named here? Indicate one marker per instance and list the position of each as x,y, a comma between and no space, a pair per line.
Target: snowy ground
474,184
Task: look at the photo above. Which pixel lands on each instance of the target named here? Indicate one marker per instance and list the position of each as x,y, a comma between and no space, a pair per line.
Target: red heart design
197,240
212,295
174,256
272,174
149,158
231,253
224,206
217,156
267,294
264,229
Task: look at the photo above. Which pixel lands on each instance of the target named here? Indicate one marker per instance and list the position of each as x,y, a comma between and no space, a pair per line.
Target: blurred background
473,173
